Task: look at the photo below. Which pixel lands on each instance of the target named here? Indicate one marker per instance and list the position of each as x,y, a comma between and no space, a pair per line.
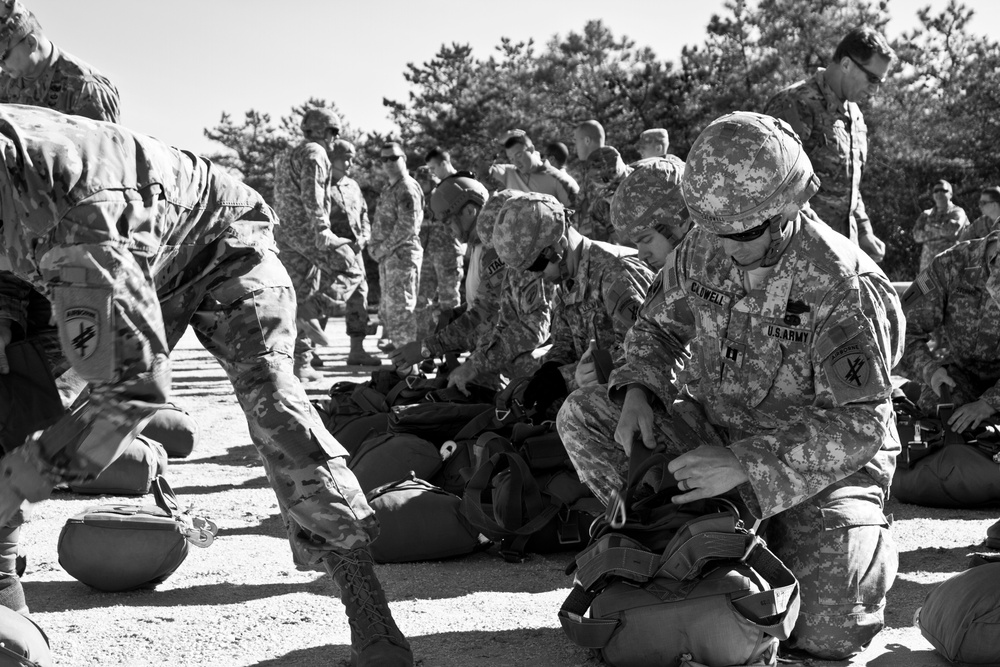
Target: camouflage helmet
526,226
743,170
488,215
454,193
317,120
650,198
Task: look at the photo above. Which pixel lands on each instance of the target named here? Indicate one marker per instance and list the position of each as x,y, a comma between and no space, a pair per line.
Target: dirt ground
242,602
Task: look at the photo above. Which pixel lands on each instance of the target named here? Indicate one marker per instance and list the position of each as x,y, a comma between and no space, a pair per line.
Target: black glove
546,387
407,355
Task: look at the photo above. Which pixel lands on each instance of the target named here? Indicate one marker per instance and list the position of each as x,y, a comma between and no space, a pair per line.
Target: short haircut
557,152
655,135
519,139
862,44
592,129
993,193
437,153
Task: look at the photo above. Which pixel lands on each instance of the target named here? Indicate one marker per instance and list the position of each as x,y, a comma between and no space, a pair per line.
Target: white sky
179,64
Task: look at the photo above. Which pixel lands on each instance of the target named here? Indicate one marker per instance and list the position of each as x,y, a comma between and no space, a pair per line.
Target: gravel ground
242,602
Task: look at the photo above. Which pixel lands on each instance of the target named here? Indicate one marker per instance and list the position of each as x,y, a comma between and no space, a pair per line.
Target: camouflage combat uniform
395,245
440,273
318,260
949,301
600,302
349,220
133,240
544,178
835,137
795,380
938,231
980,227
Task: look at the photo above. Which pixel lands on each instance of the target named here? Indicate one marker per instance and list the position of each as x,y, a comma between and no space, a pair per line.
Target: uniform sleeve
463,334
98,99
624,291
498,172
408,203
920,231
858,341
14,299
788,108
522,327
924,303
864,223
365,225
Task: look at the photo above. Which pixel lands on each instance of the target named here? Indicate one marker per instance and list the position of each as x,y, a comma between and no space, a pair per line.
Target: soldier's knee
839,632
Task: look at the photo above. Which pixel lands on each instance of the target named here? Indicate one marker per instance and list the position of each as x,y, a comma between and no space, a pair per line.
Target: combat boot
303,369
376,641
358,357
993,536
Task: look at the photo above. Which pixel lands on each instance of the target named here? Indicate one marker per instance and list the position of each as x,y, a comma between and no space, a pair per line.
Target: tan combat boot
375,639
303,368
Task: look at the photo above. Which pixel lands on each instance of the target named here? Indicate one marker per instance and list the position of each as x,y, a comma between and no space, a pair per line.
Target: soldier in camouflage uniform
395,245
523,306
654,142
949,302
318,260
989,221
939,227
605,172
823,111
588,138
132,241
797,334
349,219
441,270
602,288
37,73
529,172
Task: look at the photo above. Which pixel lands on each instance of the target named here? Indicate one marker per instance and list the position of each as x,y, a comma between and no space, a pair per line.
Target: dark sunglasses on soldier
752,233
389,158
546,257
873,78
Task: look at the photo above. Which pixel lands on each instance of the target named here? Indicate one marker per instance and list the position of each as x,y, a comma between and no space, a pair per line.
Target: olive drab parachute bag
132,473
22,642
961,616
714,595
123,547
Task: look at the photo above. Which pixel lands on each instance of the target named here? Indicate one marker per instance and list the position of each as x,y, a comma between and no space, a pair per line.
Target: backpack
419,521
525,494
702,590
961,616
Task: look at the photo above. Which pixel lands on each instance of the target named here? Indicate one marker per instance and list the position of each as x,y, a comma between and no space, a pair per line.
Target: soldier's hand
873,245
586,371
970,415
462,376
407,355
705,472
5,336
637,417
938,378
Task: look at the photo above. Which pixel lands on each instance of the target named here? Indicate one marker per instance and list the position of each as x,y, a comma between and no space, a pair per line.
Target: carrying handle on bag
165,497
641,460
198,530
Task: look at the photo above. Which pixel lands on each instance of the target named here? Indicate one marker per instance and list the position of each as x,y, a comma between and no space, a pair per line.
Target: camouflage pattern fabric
523,325
201,251
980,227
67,84
949,301
795,380
835,137
440,275
600,302
349,219
545,179
600,212
395,245
938,231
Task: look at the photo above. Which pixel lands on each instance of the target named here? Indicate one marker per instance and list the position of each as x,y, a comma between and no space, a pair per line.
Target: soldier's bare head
23,47
654,142
860,64
588,136
439,162
521,152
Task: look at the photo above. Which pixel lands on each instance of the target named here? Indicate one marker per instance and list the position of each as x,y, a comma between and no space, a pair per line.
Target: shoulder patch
924,284
850,365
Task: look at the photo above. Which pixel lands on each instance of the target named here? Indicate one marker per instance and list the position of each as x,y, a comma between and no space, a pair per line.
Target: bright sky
179,64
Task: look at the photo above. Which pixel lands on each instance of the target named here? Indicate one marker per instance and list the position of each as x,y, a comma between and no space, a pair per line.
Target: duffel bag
961,617
436,422
419,521
131,474
175,429
387,458
951,476
22,642
709,590
123,547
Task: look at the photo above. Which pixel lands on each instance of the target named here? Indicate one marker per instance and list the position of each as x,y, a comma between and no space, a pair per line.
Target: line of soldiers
748,331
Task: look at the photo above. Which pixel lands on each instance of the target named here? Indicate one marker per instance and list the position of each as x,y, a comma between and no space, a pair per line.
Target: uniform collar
833,102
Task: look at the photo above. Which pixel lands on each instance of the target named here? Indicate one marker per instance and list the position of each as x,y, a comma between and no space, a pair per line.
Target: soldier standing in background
823,111
199,250
605,171
395,245
654,143
789,412
441,269
529,172
989,221
939,227
318,260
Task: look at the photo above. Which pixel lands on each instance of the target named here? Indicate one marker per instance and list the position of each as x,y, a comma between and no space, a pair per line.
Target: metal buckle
616,513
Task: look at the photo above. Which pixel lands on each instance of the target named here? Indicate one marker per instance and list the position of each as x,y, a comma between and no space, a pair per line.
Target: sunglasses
873,78
390,158
546,257
937,190
753,232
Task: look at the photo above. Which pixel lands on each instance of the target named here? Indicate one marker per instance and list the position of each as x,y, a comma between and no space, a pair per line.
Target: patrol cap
392,148
606,164
454,193
17,24
317,120
941,185
526,226
656,135
343,149
743,170
650,198
488,215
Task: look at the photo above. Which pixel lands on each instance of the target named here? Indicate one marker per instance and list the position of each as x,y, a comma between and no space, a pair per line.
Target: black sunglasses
390,158
546,257
752,233
873,78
